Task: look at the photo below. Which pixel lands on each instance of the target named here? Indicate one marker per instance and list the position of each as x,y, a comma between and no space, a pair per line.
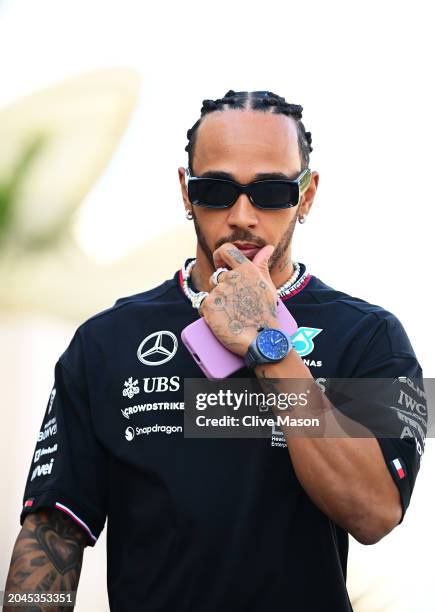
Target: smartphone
214,359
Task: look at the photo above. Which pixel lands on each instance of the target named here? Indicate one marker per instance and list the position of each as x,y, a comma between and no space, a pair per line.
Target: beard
202,241
239,235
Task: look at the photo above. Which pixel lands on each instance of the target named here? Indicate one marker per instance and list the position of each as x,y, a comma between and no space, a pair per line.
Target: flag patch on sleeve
398,468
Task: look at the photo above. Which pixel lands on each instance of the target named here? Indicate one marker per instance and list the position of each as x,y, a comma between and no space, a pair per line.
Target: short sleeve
68,468
389,355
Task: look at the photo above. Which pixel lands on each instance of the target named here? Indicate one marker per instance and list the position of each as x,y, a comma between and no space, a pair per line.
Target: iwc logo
157,348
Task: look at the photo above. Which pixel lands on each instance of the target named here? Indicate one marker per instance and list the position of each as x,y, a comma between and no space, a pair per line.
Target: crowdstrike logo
139,408
302,340
157,348
129,434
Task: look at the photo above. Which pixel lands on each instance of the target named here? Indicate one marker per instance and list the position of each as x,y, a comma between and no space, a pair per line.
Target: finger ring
215,275
198,299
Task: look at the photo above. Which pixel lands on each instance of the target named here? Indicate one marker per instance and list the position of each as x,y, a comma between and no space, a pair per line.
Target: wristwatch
270,346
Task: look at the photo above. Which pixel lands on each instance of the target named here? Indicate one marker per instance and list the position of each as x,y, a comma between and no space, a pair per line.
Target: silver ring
198,299
215,275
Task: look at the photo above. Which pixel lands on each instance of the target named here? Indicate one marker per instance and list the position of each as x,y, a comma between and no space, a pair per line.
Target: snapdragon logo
131,432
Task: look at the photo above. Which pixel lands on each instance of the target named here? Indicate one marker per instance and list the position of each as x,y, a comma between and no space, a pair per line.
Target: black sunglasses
267,194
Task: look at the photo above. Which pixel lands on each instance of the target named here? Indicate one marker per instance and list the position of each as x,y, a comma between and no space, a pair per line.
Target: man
219,524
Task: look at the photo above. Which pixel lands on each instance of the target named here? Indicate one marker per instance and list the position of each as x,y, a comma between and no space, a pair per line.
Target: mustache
237,237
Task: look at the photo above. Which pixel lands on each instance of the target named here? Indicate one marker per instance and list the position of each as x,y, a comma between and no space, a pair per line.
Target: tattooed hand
244,300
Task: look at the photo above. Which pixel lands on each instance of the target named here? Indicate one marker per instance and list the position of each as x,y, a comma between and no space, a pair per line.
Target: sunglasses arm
304,180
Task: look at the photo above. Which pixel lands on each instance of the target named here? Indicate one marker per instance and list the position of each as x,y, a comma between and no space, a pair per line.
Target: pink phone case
214,359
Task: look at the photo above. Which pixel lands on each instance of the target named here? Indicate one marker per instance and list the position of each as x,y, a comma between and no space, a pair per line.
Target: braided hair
259,101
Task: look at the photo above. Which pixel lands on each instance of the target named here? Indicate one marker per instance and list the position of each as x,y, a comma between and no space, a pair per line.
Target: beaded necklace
291,286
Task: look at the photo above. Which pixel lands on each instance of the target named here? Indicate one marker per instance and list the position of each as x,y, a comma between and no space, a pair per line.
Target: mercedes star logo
157,348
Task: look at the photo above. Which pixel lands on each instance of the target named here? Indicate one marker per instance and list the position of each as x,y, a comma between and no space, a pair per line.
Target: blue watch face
272,343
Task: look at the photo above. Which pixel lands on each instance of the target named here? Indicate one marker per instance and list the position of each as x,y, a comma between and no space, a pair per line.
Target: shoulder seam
129,301
344,300
396,355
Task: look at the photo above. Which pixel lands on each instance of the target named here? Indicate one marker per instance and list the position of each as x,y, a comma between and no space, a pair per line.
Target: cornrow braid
265,101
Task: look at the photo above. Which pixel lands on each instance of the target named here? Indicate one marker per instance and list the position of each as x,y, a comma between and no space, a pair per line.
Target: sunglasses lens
210,192
217,193
275,194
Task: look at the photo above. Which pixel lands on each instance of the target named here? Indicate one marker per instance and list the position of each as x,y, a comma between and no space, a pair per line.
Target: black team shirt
204,525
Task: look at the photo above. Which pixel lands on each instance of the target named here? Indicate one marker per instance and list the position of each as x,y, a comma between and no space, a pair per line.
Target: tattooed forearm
271,384
47,557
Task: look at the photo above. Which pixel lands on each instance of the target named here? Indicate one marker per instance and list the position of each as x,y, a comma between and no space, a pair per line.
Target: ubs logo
157,348
159,384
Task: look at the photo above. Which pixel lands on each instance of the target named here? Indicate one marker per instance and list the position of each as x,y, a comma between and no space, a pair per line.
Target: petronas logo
302,340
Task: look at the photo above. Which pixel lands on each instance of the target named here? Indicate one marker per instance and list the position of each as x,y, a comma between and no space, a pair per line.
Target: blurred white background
362,72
